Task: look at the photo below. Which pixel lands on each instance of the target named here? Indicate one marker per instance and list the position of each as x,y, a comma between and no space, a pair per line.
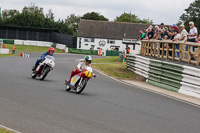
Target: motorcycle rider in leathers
82,63
50,52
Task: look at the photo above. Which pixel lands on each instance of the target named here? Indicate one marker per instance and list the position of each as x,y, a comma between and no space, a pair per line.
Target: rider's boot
33,69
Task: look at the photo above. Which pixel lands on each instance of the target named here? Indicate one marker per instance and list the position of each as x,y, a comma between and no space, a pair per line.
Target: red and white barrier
25,55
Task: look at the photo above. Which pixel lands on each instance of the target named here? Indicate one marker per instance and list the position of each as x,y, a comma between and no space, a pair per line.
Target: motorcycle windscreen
50,57
74,79
89,68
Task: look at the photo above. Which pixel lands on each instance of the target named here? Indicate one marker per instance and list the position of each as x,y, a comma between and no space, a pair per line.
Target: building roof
109,30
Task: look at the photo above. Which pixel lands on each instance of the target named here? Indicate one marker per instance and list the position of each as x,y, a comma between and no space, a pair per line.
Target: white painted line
9,129
193,104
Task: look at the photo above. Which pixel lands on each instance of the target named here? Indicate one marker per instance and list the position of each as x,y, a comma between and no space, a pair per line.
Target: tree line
192,13
33,17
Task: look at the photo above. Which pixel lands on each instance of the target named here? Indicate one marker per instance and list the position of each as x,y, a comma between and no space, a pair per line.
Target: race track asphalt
105,106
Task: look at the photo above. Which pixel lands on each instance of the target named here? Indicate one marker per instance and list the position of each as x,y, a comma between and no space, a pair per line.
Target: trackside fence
174,50
170,76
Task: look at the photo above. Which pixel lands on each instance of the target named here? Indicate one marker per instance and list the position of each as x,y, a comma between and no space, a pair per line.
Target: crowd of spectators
164,32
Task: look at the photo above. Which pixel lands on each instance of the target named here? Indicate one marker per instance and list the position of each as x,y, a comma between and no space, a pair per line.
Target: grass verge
5,55
114,68
26,48
2,130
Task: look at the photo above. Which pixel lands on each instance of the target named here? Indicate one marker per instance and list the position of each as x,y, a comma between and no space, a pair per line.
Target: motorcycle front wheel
67,87
33,75
81,87
44,74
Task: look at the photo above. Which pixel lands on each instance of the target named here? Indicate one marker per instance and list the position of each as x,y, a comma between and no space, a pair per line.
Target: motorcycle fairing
74,79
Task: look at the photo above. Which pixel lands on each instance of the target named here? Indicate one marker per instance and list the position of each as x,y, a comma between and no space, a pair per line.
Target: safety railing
174,50
171,76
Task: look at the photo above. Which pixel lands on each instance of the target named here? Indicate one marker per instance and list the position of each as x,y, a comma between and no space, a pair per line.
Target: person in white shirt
183,37
192,36
184,33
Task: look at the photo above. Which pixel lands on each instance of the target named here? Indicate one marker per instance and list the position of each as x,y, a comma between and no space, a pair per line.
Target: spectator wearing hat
192,36
176,38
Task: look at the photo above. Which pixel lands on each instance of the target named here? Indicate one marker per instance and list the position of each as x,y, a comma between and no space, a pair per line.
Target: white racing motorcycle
44,67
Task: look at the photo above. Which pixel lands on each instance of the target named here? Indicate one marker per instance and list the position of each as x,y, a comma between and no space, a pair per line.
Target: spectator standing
14,48
183,37
156,33
167,32
170,35
184,33
176,38
160,35
192,36
162,27
150,34
151,27
127,49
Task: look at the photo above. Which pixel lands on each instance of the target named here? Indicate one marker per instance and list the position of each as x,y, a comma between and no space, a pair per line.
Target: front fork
80,81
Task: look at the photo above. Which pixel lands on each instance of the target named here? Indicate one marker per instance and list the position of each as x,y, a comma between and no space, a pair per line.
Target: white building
106,35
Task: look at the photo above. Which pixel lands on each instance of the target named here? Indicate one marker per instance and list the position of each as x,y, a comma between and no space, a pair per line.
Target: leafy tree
49,19
146,21
94,16
32,16
132,18
8,16
192,13
127,17
72,22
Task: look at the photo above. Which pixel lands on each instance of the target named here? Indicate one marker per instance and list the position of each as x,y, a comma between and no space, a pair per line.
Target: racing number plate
74,80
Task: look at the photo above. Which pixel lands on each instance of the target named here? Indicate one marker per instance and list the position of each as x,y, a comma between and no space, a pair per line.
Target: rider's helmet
88,59
51,50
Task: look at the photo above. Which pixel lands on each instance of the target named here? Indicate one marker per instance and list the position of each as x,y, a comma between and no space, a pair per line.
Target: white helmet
88,59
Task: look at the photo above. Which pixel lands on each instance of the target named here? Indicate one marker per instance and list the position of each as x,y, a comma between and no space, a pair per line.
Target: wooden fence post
189,54
167,52
173,51
198,56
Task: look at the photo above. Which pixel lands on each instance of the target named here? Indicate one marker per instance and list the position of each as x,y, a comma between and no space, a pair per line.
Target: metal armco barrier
170,76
